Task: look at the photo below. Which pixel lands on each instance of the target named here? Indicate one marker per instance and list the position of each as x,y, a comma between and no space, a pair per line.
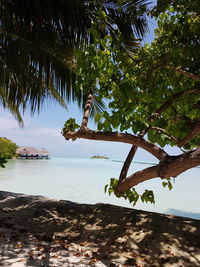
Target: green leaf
97,117
105,188
100,126
164,184
170,186
70,125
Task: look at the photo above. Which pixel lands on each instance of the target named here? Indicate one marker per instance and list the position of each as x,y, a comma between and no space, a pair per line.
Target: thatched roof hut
43,151
22,150
29,151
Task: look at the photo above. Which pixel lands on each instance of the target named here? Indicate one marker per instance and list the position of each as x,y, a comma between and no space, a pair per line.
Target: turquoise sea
83,179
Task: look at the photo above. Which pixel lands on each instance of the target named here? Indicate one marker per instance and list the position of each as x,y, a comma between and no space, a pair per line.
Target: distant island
99,157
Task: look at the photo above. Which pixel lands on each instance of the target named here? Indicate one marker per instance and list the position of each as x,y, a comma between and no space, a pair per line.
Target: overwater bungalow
25,152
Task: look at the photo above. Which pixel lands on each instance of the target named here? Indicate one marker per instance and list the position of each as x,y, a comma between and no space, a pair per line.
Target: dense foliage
7,150
153,94
138,85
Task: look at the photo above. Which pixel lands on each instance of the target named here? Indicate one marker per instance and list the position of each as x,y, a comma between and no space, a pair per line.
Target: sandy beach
38,231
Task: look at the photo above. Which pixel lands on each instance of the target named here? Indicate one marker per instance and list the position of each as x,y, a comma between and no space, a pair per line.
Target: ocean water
82,180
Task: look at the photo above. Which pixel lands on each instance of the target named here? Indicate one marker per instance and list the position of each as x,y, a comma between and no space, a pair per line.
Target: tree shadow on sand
99,235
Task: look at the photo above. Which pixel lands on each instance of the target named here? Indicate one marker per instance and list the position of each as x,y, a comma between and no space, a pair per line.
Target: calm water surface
82,180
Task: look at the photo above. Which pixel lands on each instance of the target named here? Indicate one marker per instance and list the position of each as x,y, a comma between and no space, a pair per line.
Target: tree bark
171,166
186,73
87,110
194,132
127,163
174,139
119,137
174,98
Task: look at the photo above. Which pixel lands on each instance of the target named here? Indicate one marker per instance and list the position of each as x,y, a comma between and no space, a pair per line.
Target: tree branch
174,139
195,131
118,137
127,163
129,158
154,116
172,100
183,72
151,119
170,166
187,74
136,178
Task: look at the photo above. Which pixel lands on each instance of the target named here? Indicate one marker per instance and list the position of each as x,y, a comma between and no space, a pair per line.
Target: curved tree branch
119,137
186,73
129,158
136,178
127,163
170,166
174,98
174,139
194,132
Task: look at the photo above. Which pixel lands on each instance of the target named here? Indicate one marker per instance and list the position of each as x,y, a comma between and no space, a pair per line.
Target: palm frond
129,18
71,19
98,106
12,108
29,75
37,39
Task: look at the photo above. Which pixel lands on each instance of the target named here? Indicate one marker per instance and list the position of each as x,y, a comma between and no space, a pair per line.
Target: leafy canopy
139,83
152,90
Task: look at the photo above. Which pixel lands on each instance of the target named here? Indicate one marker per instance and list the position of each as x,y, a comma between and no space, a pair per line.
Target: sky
44,130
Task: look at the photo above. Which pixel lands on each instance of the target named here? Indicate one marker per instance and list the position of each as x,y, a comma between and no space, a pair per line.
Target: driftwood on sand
37,231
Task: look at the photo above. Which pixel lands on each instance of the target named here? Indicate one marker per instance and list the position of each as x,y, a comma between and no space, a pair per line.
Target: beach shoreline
39,231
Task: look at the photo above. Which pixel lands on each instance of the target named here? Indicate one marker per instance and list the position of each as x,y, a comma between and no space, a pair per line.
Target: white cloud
7,122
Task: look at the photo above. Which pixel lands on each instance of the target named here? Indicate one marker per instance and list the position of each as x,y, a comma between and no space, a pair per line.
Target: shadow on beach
37,231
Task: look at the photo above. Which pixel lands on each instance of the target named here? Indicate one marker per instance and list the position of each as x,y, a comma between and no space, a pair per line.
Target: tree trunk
87,110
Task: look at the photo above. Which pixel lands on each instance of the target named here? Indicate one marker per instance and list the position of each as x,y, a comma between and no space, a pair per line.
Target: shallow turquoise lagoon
82,180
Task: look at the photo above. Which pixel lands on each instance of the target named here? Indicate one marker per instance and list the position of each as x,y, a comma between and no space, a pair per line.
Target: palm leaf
98,106
12,108
37,39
